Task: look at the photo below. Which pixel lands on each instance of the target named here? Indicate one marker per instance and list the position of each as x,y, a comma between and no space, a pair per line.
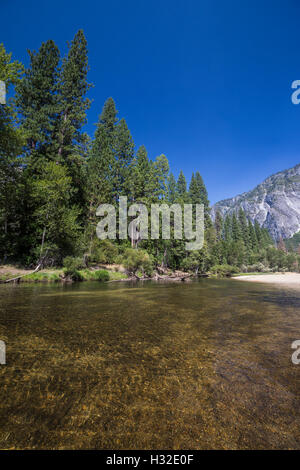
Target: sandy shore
279,279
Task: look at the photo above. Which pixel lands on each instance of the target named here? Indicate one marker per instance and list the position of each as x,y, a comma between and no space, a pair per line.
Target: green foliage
101,275
105,251
117,276
108,252
71,101
224,270
137,260
181,187
53,177
56,220
37,103
41,277
293,243
74,275
72,264
11,180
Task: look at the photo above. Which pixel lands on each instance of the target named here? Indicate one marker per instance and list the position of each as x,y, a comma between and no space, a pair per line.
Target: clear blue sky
206,82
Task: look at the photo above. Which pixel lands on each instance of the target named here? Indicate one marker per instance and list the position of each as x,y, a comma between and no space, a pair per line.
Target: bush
40,277
73,274
244,268
101,275
136,260
73,264
105,252
224,270
257,268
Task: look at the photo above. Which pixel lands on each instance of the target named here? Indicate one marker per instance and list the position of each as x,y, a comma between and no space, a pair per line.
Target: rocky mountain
275,203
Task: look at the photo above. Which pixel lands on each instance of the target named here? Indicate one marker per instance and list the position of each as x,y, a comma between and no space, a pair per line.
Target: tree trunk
43,238
62,136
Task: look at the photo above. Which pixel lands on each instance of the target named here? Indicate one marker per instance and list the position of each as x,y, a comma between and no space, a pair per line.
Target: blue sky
207,83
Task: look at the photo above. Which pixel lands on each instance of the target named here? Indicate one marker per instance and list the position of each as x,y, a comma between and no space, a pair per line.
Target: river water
202,365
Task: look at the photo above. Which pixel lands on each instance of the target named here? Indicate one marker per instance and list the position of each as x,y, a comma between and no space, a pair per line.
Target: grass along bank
57,275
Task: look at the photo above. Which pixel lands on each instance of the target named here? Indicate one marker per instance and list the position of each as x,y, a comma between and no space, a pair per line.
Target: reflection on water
166,366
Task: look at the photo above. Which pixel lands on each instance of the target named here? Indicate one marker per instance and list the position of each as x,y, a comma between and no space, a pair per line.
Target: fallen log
182,278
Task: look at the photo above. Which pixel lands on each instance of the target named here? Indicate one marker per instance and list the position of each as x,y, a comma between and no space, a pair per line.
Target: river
201,365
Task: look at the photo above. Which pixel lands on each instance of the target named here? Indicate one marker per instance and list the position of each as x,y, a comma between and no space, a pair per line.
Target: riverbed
202,365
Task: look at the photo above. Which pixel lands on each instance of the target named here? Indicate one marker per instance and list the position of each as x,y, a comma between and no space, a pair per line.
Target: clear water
203,365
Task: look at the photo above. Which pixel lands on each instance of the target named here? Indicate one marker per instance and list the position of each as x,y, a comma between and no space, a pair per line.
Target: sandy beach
291,280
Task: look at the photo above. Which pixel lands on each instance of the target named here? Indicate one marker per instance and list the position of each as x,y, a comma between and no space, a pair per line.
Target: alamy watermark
2,353
295,96
2,92
296,354
177,222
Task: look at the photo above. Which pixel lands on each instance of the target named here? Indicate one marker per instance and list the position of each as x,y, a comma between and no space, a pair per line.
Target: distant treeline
53,176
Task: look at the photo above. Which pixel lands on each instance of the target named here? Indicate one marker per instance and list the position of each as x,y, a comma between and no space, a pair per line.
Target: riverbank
103,273
57,275
290,280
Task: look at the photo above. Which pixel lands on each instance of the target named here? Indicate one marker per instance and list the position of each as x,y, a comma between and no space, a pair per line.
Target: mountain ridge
274,203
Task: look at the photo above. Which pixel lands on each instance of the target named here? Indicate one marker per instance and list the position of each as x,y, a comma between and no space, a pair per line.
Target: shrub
136,260
73,264
73,274
105,252
258,267
101,275
244,268
224,270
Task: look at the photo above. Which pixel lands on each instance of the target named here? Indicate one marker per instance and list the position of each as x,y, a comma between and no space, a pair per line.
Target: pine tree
252,236
100,176
141,176
228,229
244,227
101,161
194,194
123,157
37,103
181,187
258,232
160,172
11,142
236,229
203,196
73,104
171,189
218,225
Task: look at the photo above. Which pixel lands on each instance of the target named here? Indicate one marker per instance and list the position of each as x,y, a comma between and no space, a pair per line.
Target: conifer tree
258,232
100,176
11,141
242,219
160,172
141,176
203,196
73,104
37,103
228,229
219,225
194,191
101,161
171,189
236,229
181,187
252,236
122,162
